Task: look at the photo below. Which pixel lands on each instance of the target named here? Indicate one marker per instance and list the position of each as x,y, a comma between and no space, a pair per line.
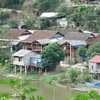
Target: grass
29,75
49,78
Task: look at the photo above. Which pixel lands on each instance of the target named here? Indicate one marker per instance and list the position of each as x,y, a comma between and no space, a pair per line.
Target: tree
80,13
46,5
73,75
64,10
27,6
4,45
81,51
93,50
29,21
44,23
10,3
4,15
13,23
51,55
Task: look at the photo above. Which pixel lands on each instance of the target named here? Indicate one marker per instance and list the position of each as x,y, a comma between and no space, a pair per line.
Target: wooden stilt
15,69
45,72
31,68
39,70
25,69
20,70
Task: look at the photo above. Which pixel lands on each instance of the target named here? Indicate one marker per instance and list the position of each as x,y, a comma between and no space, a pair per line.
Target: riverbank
51,80
78,87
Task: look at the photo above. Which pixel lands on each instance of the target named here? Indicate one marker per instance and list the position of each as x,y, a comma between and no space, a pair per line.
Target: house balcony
36,48
18,63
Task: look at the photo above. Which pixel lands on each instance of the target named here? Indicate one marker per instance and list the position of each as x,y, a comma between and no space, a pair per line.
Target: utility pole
70,53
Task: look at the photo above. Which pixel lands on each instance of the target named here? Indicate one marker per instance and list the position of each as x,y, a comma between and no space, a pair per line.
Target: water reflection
47,91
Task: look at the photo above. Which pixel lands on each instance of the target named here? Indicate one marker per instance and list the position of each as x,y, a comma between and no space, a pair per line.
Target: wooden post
15,69
20,70
39,70
70,53
45,72
25,69
31,68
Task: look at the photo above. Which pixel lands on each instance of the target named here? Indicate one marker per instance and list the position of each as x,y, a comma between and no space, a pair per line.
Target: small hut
23,59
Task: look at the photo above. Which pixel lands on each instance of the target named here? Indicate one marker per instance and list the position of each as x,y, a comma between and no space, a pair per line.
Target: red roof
40,34
95,59
14,35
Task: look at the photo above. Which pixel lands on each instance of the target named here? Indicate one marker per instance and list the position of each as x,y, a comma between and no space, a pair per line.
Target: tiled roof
72,42
14,35
65,31
73,34
40,34
93,40
77,36
95,59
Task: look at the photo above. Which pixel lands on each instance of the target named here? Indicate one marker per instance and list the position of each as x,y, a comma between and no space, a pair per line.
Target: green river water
47,91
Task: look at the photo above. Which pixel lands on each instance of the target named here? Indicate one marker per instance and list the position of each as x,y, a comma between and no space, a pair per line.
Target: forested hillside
84,15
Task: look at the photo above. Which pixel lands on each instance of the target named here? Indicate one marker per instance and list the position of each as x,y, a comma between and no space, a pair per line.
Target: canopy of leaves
4,45
13,23
10,3
80,13
92,95
85,16
29,21
81,51
44,23
64,9
73,75
52,55
4,15
93,50
46,5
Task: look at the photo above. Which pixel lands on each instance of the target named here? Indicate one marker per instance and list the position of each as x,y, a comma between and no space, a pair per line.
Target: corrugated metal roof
76,42
72,42
15,42
43,41
21,53
48,14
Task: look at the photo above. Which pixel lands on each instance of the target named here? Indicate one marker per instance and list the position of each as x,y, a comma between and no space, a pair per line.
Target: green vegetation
29,21
81,52
21,91
5,53
45,23
90,52
46,5
71,76
13,23
93,50
14,4
52,55
91,95
4,15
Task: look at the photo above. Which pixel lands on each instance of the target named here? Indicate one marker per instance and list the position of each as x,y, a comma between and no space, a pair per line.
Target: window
16,59
20,59
64,47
